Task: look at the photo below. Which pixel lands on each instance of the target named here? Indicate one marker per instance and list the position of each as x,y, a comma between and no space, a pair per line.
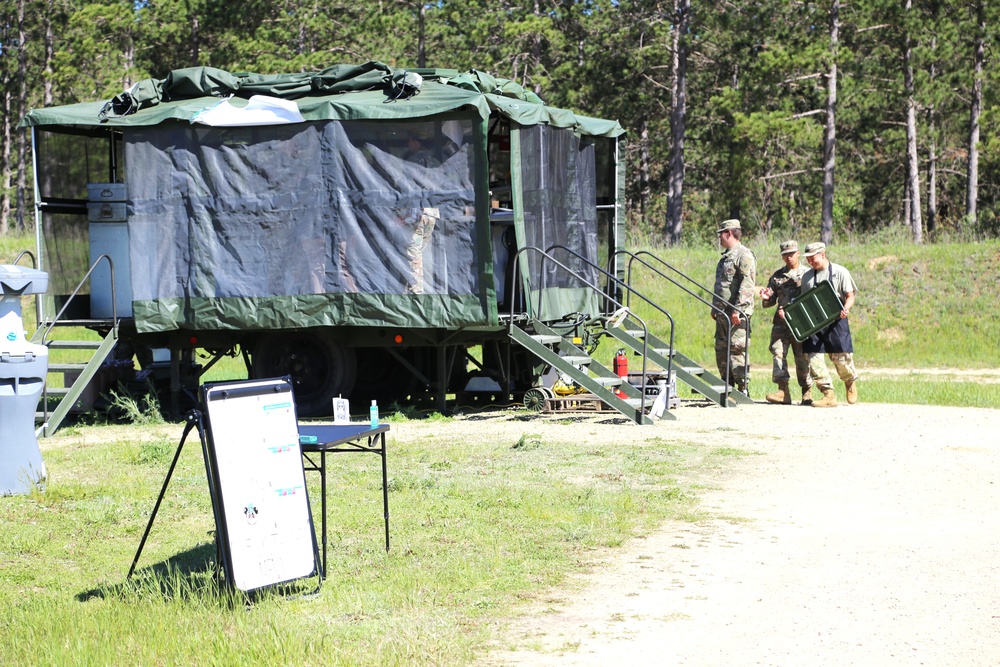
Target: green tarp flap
308,310
341,92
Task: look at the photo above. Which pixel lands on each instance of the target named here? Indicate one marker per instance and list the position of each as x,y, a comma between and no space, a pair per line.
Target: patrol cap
788,247
814,248
726,225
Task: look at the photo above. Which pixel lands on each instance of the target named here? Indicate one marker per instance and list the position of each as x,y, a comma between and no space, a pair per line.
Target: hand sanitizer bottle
373,411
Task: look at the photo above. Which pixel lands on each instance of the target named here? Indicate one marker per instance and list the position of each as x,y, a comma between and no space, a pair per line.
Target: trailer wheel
534,398
321,368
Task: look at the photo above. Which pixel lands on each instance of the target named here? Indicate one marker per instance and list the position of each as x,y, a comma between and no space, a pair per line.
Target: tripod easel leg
193,419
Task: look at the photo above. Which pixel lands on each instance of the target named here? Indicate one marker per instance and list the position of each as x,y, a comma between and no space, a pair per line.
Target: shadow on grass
191,573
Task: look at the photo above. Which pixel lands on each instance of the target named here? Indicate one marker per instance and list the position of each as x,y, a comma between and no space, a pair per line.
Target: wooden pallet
576,403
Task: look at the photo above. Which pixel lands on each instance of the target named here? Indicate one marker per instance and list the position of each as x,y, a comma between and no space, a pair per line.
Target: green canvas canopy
185,93
347,197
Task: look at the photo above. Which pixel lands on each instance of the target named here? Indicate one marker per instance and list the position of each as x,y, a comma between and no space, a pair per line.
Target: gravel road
863,535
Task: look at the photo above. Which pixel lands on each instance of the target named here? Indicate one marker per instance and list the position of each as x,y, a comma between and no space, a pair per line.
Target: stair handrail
638,257
114,297
45,335
34,265
34,262
631,290
574,274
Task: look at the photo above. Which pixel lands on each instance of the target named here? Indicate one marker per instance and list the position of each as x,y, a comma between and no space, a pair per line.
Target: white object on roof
260,110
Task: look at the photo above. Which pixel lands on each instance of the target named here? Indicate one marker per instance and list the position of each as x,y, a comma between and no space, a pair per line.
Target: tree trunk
931,182
22,108
975,109
422,35
5,161
536,54
913,157
907,200
47,98
194,48
830,131
678,122
932,152
129,56
643,168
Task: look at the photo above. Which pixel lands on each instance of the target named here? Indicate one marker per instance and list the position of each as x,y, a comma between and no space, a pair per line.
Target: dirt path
864,535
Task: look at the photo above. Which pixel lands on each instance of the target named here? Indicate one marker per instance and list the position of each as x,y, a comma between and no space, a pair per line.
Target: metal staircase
570,360
687,370
560,352
658,357
81,372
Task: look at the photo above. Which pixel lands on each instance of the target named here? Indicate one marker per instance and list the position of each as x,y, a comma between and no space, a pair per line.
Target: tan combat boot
852,391
829,399
782,396
807,395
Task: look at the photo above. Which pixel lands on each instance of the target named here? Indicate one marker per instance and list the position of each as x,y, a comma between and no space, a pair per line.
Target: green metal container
813,311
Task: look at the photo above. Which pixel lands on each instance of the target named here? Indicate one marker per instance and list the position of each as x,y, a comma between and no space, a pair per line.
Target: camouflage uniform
784,285
843,359
735,276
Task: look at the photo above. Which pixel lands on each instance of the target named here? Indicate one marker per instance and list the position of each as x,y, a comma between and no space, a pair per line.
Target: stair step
578,361
545,339
62,368
693,370
86,322
636,333
57,391
73,344
608,381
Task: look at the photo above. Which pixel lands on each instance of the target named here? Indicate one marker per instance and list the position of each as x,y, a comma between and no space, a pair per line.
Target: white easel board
258,486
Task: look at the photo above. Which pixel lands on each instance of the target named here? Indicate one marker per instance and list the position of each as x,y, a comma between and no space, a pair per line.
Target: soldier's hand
781,312
735,319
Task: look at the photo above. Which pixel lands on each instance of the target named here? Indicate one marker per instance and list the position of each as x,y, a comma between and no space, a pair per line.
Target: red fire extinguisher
620,368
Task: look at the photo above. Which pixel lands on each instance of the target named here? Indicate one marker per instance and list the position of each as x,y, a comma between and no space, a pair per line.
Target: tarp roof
372,91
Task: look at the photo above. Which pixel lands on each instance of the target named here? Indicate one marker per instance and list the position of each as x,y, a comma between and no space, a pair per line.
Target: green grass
929,306
477,527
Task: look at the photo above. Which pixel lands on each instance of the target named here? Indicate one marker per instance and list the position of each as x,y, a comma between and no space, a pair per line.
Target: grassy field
478,524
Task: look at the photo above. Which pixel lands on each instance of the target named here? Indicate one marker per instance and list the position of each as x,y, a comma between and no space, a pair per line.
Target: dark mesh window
330,207
66,251
67,162
558,176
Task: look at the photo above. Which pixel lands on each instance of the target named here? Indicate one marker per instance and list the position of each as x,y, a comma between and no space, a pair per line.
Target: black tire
321,368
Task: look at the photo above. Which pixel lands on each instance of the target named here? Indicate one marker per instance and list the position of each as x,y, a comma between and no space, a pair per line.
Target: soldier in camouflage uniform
835,340
782,288
734,289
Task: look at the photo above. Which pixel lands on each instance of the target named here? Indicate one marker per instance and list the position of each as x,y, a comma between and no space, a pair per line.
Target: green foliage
143,410
756,87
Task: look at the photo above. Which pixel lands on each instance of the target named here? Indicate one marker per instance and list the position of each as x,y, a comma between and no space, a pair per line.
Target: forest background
828,119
